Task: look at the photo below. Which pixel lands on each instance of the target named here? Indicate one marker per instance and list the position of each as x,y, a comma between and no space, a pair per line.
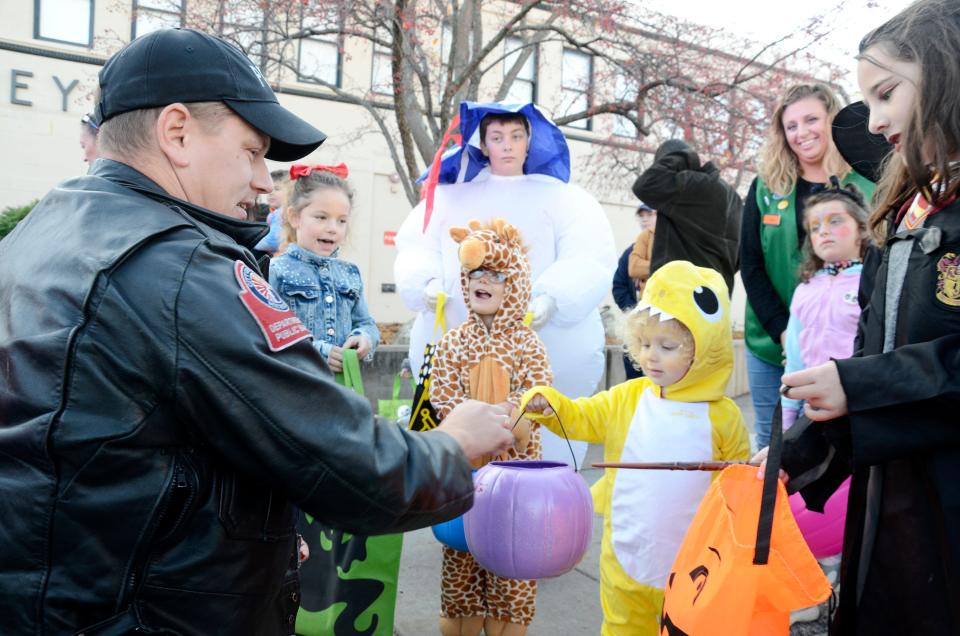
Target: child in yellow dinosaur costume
492,357
680,336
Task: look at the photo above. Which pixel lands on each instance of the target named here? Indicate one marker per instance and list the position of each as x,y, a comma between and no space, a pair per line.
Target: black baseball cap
859,147
183,65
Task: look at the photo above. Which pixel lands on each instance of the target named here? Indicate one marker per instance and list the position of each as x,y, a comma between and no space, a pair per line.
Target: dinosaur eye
707,303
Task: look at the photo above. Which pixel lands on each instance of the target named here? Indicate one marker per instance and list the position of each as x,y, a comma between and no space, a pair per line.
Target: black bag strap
768,500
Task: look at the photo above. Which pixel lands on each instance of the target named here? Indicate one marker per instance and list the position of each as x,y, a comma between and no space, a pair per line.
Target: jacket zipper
177,482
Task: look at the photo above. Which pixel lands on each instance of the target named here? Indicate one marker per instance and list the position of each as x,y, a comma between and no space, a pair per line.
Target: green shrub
11,216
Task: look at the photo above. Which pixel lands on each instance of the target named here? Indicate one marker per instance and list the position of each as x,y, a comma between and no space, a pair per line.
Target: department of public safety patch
280,326
948,279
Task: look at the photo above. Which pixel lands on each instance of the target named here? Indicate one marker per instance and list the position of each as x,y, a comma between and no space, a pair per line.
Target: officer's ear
174,129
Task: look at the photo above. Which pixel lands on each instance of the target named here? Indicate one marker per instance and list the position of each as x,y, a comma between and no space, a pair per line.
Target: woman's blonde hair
779,167
639,323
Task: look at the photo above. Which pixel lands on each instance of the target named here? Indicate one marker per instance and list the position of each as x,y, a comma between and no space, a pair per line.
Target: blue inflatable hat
548,153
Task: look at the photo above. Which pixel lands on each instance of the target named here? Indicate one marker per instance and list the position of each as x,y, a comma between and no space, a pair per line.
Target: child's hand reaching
538,404
335,360
360,343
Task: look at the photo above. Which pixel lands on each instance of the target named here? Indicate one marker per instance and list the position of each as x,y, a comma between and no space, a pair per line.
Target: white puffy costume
571,250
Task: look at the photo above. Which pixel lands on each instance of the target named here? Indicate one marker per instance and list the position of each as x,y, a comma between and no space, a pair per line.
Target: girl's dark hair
926,33
852,201
298,196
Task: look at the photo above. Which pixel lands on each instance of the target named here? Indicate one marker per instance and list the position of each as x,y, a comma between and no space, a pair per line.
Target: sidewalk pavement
567,605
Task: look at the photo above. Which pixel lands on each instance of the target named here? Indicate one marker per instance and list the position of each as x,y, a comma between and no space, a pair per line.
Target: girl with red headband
325,291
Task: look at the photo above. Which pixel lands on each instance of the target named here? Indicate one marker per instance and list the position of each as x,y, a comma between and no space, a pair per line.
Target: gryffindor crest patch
948,279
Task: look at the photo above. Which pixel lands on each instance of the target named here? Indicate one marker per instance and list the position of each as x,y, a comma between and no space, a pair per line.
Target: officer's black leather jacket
152,444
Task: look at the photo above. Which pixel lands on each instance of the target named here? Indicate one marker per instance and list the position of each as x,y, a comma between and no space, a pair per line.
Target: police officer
161,409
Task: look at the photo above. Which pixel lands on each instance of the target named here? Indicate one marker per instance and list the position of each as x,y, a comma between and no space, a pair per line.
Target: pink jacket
823,324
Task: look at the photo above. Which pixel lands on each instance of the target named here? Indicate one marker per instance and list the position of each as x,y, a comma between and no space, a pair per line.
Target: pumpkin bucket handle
562,429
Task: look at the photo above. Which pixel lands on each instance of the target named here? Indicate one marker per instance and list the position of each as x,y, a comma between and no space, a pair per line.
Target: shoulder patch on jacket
280,326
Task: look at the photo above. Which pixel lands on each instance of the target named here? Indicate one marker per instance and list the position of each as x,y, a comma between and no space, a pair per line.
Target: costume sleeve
903,402
763,298
816,457
624,289
586,258
363,322
271,242
534,368
639,265
279,417
794,357
731,441
448,381
584,419
419,259
672,177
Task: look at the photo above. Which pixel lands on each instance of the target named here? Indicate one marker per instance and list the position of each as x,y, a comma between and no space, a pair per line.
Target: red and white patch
276,320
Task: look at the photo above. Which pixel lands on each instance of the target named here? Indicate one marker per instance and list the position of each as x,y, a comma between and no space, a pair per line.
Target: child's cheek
842,232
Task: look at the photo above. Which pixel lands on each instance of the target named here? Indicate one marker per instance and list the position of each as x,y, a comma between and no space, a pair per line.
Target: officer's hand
542,307
360,343
480,428
335,360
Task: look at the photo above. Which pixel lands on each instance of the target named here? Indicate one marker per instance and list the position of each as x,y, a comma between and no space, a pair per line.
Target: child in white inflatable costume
514,164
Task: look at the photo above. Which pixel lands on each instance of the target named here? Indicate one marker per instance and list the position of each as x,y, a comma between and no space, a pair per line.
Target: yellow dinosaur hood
698,298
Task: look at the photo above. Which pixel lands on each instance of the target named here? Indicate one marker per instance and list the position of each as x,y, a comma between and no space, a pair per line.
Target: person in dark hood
698,213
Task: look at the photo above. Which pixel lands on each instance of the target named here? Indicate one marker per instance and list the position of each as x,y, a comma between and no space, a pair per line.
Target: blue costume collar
548,153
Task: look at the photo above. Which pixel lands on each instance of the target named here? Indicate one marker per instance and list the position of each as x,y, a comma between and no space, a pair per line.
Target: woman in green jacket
796,160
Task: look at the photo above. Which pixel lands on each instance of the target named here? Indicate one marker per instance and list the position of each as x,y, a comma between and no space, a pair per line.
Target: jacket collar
307,256
245,233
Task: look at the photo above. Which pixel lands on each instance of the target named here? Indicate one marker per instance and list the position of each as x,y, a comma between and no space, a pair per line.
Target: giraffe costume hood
499,248
498,363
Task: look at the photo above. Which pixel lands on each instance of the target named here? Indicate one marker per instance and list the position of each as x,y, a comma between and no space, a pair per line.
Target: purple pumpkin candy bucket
530,519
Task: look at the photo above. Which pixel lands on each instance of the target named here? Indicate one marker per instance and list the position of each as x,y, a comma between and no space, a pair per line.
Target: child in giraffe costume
492,357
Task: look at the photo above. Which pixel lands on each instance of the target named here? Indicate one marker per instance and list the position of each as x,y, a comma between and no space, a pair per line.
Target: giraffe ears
475,225
505,231
458,234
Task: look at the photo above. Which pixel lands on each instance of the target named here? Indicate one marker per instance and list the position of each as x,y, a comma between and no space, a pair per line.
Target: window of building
625,89
381,79
244,25
320,54
67,21
576,86
524,87
152,15
446,51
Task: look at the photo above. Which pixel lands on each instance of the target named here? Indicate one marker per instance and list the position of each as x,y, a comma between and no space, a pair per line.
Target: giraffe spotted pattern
493,365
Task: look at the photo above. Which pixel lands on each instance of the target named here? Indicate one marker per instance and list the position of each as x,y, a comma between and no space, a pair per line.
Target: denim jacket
326,293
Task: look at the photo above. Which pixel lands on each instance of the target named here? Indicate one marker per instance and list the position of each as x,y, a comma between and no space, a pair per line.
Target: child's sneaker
806,615
831,568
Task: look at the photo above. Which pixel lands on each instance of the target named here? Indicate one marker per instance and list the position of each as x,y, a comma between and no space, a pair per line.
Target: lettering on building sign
20,87
389,238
